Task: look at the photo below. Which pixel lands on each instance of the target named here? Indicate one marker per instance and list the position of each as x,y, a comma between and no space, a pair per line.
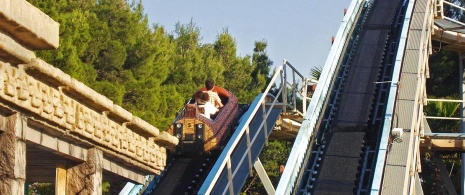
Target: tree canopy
109,46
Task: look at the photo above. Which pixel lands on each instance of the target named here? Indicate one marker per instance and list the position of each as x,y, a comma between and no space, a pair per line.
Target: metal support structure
293,86
304,94
263,177
418,187
247,140
445,100
443,118
462,123
294,90
230,177
249,152
445,176
283,85
455,136
265,132
454,6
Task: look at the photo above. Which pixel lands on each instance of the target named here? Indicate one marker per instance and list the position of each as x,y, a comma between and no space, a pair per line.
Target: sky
299,31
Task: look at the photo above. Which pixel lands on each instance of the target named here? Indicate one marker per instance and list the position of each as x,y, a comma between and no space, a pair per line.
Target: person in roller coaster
217,96
206,108
214,98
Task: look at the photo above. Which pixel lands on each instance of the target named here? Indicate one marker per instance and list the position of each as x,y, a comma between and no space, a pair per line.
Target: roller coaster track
227,171
343,146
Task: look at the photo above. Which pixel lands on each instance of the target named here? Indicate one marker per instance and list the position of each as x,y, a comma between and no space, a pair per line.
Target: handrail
302,141
206,188
454,6
444,135
248,151
294,88
224,161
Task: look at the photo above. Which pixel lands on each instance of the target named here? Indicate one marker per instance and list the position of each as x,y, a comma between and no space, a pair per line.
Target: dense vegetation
109,46
444,72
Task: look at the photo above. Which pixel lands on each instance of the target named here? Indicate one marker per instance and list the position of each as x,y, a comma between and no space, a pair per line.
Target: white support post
304,95
231,186
264,177
60,178
265,127
462,123
283,85
294,91
249,151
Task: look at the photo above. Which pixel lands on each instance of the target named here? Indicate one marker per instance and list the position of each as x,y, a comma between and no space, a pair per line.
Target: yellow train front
200,135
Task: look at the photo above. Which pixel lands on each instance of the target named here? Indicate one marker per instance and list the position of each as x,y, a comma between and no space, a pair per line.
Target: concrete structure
55,129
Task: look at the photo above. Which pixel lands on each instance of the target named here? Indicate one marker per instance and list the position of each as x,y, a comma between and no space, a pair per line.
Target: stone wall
43,92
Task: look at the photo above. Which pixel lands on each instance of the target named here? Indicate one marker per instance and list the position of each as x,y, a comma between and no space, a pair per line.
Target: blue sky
299,31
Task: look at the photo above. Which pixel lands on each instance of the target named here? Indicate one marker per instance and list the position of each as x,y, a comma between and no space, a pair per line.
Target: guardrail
225,165
453,6
294,88
444,135
302,141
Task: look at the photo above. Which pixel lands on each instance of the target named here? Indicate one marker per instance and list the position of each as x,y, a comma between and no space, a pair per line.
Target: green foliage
41,189
108,45
236,76
261,63
443,109
75,36
443,72
105,187
315,72
113,91
442,84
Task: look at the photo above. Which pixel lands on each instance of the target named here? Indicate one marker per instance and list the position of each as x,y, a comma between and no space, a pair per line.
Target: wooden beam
60,181
442,144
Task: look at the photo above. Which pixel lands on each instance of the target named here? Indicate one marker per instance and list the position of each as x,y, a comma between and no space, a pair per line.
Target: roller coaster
225,170
346,130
